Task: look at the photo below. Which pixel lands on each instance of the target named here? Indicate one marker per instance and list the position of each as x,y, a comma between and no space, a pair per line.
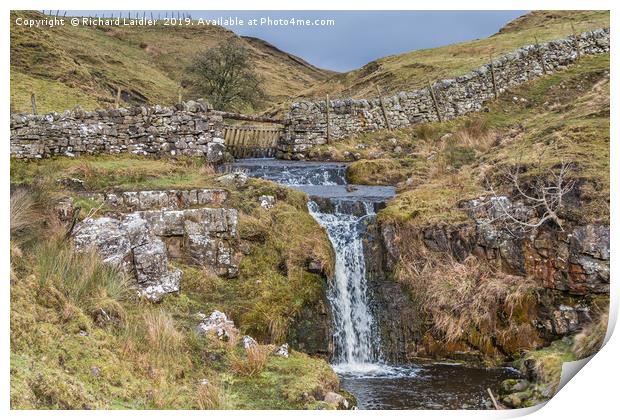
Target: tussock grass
545,364
591,338
254,361
98,288
211,396
22,212
470,301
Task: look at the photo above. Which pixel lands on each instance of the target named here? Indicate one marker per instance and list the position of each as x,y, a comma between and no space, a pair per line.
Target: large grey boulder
129,243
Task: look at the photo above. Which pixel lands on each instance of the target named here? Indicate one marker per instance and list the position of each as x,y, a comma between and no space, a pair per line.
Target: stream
345,211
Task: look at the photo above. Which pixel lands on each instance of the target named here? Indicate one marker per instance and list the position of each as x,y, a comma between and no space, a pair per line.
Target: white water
356,337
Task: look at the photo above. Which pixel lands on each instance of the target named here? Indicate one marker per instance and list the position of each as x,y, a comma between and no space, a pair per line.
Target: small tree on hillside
224,75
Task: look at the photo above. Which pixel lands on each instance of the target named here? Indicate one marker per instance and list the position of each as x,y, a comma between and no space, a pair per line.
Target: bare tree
534,208
225,76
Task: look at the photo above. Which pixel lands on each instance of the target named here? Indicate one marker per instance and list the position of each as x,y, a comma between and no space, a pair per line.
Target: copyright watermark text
54,21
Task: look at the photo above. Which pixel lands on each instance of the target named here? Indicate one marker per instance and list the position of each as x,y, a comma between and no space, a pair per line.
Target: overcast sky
360,36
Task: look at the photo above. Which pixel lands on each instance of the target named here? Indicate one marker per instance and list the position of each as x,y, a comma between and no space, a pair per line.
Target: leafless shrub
535,208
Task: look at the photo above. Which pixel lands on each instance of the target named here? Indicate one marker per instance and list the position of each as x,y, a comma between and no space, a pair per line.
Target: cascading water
356,339
356,336
345,211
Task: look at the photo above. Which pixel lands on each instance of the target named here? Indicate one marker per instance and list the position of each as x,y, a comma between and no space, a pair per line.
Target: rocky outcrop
574,260
306,122
161,199
570,268
218,323
143,242
281,351
188,129
130,244
313,327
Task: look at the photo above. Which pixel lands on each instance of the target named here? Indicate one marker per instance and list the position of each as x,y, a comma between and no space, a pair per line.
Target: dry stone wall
188,129
306,122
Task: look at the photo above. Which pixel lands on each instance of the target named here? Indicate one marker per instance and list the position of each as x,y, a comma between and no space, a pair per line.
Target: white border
591,395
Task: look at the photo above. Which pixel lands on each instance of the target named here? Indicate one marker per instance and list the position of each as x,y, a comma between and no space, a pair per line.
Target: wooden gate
244,141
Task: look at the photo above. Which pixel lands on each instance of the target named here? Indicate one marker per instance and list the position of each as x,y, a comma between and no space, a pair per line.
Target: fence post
493,77
33,102
327,118
180,96
117,102
576,41
430,88
385,116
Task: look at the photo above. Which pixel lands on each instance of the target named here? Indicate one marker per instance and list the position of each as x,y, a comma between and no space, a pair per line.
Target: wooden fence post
33,102
328,130
430,88
576,41
385,115
180,96
493,77
117,102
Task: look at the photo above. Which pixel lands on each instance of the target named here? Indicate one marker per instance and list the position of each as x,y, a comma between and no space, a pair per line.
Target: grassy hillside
67,66
564,116
412,70
64,355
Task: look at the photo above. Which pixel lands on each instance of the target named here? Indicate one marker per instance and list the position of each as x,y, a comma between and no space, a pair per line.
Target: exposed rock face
571,267
248,342
398,321
160,199
187,130
142,243
200,236
267,201
312,330
575,261
130,244
306,123
236,179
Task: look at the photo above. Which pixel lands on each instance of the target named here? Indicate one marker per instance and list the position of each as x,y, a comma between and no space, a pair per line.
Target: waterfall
344,216
356,337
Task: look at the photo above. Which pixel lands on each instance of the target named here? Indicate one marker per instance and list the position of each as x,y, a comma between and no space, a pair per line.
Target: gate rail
244,141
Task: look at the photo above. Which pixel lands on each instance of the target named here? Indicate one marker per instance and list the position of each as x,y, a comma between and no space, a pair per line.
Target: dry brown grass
211,396
161,334
254,362
469,301
152,340
591,338
207,170
97,288
22,214
475,134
